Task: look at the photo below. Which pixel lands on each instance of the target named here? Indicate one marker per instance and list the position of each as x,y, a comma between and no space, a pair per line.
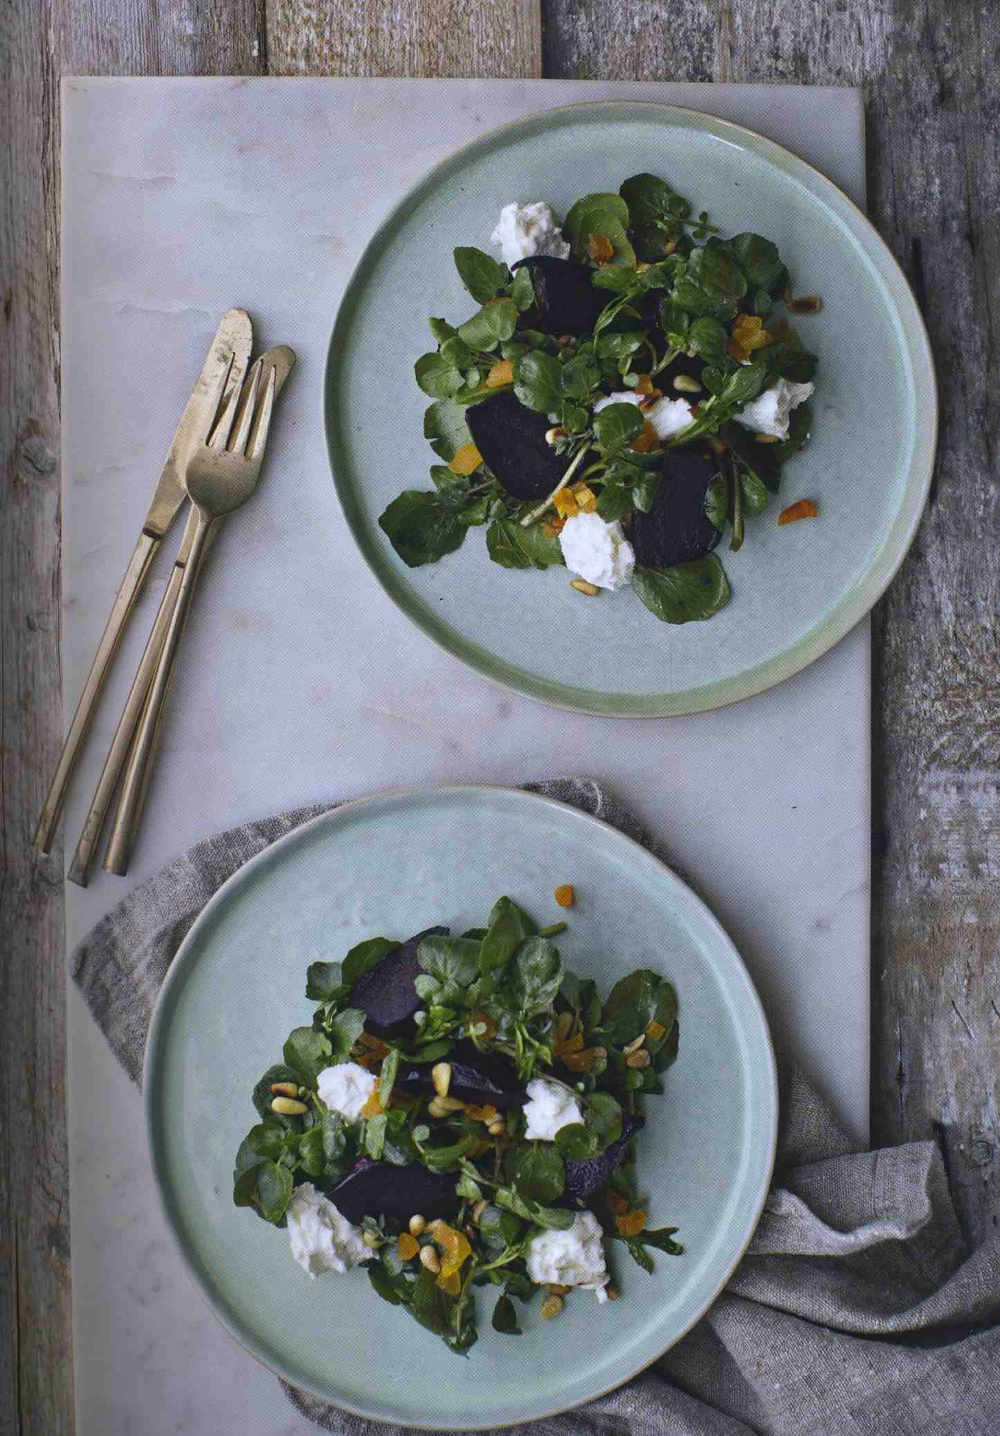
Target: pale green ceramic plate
796,590
394,864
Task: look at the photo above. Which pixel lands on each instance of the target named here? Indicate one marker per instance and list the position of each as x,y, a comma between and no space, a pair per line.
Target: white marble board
300,681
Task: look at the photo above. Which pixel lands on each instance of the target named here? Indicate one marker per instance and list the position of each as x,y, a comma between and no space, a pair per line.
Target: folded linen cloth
857,1310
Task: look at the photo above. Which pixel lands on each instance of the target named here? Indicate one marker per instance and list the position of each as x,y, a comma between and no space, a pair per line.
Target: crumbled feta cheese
669,416
345,1088
598,552
574,1257
550,1104
768,413
623,396
526,229
321,1237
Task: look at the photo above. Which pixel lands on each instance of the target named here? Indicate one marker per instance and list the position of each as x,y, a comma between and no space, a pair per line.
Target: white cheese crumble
322,1239
598,552
526,229
768,413
574,1257
669,416
345,1088
623,396
550,1104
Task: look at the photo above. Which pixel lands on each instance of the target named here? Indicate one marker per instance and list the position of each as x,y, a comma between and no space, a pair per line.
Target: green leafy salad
625,394
461,1113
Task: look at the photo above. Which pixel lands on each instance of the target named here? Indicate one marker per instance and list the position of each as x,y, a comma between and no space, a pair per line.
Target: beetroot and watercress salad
626,392
461,1113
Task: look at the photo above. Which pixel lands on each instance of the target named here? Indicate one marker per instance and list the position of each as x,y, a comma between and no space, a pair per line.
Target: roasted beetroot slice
377,1189
511,439
385,993
566,300
583,1179
677,528
478,1077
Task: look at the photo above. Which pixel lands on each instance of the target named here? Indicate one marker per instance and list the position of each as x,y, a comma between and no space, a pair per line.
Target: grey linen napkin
857,1310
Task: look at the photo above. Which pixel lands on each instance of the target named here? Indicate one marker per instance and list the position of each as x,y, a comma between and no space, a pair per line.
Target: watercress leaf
708,338
267,1139
651,201
744,384
448,482
334,1130
616,426
274,1191
245,1179
555,1218
437,376
536,975
522,289
324,980
429,1304
685,593
344,1030
375,1136
387,1076
421,528
457,352
508,927
519,1284
604,215
536,1170
717,271
505,1317
634,1002
537,381
760,262
468,1189
614,501
445,427
645,489
576,1143
482,275
311,1155
579,376
752,489
662,1239
447,1158
511,545
620,281
496,320
364,956
640,1254
717,502
575,417
799,426
400,1148
307,1051
475,513
789,361
449,965
603,1117
442,330
263,1096
384,1284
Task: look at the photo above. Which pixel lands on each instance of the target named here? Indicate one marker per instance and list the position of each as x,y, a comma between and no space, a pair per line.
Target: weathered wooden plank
930,74
36,1372
179,37
404,37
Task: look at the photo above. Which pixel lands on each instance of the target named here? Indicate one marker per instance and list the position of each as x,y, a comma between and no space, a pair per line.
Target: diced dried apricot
585,497
803,509
600,248
373,1107
617,1203
485,1113
630,1224
747,333
565,896
456,1248
655,1030
467,460
646,439
566,504
502,373
451,1283
586,1060
645,385
552,526
565,1046
407,1246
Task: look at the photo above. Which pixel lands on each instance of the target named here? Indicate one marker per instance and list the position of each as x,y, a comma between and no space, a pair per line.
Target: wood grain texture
36,1372
404,38
930,75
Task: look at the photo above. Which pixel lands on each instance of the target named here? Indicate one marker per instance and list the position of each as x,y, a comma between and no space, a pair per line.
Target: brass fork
220,476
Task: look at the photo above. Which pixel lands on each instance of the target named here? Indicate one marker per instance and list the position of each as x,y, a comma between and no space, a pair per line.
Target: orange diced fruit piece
502,373
456,1248
566,504
373,1107
630,1224
407,1246
646,439
804,509
450,1282
565,896
645,385
485,1113
600,248
655,1030
585,497
467,460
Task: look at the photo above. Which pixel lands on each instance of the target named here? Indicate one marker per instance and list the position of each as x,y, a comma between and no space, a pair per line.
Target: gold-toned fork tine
219,479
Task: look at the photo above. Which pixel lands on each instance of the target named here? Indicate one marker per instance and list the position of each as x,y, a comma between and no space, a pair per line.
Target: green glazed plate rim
748,1014
854,603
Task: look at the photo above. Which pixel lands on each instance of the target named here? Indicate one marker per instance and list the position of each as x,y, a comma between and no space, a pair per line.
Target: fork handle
143,744
128,590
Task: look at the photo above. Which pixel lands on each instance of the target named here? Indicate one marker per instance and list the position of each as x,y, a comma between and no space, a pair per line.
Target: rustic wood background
929,70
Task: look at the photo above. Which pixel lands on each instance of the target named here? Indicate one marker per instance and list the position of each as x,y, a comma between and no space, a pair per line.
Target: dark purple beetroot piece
583,1179
677,528
375,1189
566,300
511,438
385,993
478,1077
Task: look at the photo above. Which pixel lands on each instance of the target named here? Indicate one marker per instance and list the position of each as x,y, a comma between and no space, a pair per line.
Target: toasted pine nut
553,435
497,1127
477,1211
640,1058
441,1077
371,1239
582,586
417,1224
284,1089
288,1107
430,1259
635,1044
551,1306
687,384
806,304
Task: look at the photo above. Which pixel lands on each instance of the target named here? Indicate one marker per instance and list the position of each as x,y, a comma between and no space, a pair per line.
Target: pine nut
441,1077
582,586
553,435
371,1240
635,1044
638,1059
430,1259
497,1127
477,1211
284,1089
807,304
288,1107
417,1224
551,1306
687,384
